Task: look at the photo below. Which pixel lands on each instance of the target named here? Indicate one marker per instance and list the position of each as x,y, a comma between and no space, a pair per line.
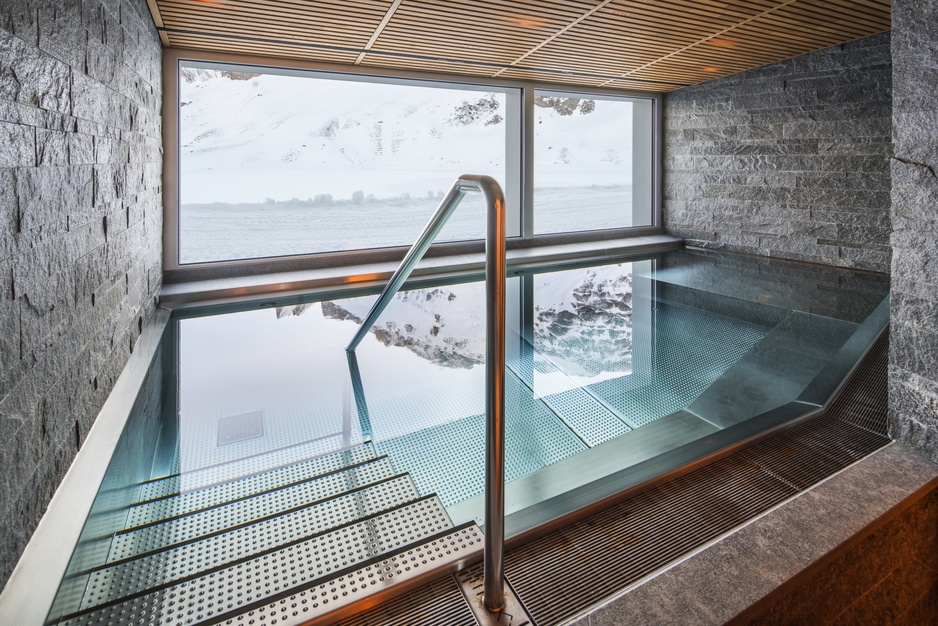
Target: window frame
638,168
520,164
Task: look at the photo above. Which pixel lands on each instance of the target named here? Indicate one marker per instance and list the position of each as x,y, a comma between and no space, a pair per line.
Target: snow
284,137
277,165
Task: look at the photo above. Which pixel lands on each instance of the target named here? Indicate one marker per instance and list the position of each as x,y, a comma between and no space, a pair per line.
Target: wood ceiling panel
281,51
330,22
644,45
501,31
427,65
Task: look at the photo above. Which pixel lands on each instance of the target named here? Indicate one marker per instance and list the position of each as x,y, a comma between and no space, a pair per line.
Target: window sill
195,288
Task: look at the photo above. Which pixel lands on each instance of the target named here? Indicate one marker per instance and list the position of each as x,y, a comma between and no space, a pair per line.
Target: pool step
351,593
190,501
134,575
316,457
198,523
306,578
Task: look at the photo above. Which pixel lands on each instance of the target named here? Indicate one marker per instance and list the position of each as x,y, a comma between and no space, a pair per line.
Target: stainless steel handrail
494,592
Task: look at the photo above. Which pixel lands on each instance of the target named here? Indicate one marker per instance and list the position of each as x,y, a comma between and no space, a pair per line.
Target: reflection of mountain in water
586,323
443,326
590,329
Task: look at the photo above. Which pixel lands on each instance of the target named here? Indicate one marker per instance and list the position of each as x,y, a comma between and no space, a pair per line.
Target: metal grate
135,575
214,519
628,541
620,545
864,401
811,452
294,566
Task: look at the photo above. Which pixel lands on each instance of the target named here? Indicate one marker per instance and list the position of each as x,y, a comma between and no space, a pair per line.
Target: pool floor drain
240,427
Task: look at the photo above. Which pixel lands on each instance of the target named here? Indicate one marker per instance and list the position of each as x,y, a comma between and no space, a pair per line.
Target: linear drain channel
435,604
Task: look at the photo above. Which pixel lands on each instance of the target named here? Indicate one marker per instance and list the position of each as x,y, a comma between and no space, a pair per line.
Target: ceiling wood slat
639,45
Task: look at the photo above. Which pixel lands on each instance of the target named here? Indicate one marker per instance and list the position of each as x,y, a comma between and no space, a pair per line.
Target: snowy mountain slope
248,137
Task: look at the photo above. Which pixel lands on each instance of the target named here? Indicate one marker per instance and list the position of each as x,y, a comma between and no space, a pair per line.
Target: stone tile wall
913,371
80,231
886,574
788,160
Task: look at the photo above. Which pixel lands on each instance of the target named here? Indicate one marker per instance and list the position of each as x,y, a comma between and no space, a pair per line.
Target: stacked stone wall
913,370
80,231
788,160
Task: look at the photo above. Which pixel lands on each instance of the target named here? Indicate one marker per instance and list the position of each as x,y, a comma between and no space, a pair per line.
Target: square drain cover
241,427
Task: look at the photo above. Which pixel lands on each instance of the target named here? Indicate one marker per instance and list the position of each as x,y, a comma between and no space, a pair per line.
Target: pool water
618,372
594,353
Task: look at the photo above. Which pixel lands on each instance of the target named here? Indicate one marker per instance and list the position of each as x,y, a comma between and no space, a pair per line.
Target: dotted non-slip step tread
137,574
207,521
302,566
340,595
311,454
184,503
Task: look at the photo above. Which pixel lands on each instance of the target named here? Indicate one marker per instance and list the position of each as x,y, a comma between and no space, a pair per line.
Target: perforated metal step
184,503
313,570
340,596
136,575
204,522
310,455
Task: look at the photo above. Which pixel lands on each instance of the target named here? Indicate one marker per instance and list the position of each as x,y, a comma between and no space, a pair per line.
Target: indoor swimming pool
618,372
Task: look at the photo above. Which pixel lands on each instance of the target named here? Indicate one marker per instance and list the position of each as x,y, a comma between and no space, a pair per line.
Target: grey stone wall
788,160
80,231
913,371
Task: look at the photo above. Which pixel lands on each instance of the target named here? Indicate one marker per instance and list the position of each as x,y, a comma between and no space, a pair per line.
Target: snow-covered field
211,232
274,165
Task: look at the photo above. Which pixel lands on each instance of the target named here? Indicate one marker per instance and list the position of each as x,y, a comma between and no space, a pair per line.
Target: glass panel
592,162
295,163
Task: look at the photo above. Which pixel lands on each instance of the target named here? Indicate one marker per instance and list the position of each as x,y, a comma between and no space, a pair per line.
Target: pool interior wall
599,356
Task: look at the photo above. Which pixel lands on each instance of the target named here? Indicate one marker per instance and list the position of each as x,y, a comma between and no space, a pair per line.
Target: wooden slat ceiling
641,45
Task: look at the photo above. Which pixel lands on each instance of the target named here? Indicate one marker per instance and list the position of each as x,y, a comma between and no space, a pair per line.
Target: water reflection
592,353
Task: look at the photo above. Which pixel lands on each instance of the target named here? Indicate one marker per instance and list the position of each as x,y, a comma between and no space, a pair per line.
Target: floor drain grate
240,427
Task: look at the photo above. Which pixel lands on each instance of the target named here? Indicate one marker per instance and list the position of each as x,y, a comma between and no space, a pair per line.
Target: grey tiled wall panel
788,160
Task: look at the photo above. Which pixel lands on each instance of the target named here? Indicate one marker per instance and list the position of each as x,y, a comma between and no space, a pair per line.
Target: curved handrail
494,594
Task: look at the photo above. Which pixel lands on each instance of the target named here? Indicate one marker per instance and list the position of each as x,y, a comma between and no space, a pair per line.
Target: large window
275,162
592,162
